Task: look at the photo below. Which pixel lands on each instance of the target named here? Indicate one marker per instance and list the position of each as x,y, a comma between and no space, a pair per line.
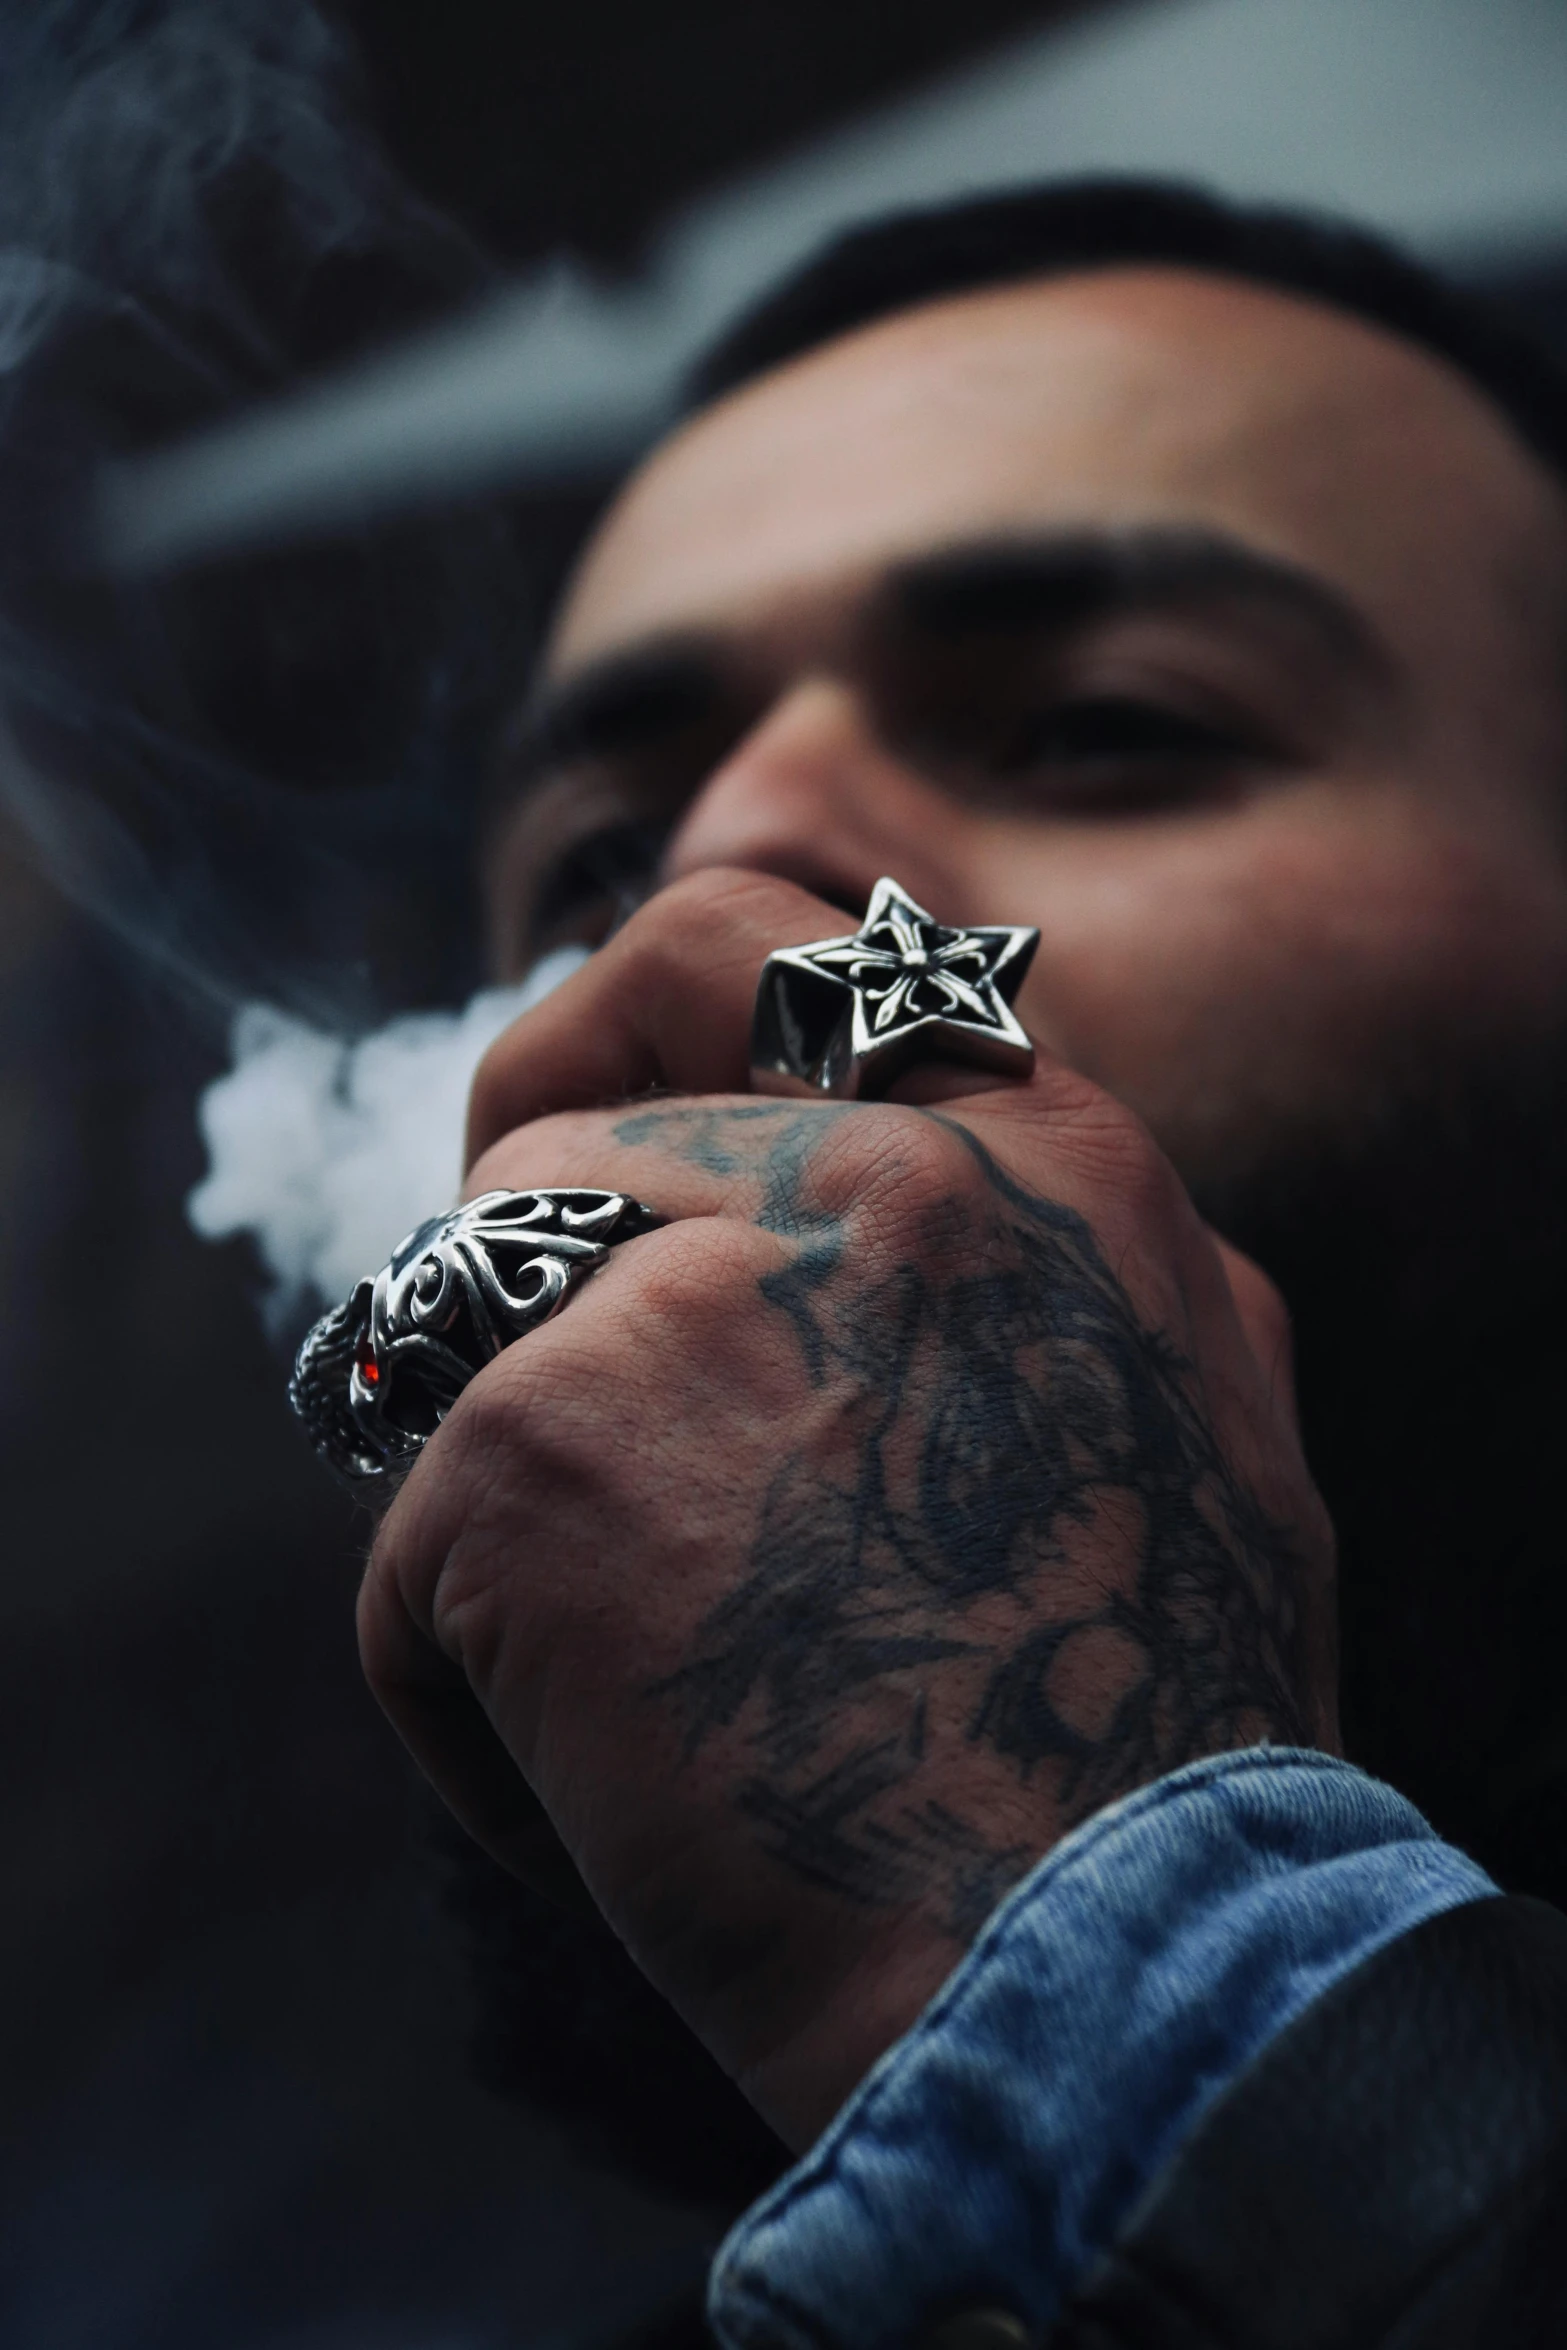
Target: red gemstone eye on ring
515,1256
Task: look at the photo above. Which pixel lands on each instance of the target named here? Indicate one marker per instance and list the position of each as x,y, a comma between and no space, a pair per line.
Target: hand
930,1480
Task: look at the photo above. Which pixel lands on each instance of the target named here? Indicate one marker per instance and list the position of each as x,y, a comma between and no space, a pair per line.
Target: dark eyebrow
1068,581
993,587
620,703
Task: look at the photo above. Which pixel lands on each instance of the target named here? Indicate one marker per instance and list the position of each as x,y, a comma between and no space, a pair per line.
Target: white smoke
327,1151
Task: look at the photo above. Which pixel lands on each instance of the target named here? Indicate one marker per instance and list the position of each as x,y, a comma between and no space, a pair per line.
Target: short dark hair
1056,229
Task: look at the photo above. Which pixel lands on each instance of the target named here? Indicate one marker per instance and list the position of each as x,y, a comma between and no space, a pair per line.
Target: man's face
1213,632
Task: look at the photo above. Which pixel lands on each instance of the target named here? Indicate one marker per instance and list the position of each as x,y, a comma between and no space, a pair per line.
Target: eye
1118,751
591,885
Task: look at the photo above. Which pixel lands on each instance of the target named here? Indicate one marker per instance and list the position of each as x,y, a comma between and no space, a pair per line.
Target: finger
426,1697
667,1003
726,1155
682,1157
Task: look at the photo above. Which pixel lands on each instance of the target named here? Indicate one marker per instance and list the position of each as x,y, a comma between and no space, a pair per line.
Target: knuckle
524,1425
897,1171
920,1177
683,1283
520,1454
540,1424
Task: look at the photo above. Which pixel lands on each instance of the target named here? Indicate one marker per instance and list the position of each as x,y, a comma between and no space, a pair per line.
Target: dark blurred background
236,2106
582,130
232,2023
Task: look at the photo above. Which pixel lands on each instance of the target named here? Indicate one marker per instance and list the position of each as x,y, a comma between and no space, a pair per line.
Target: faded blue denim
999,2145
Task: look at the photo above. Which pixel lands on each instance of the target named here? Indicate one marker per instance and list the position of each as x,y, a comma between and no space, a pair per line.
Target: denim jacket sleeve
999,2145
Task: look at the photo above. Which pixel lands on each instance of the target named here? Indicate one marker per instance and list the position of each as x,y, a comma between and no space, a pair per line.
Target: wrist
801,2079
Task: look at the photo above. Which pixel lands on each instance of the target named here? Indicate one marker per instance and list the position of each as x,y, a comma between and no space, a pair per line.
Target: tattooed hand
929,1481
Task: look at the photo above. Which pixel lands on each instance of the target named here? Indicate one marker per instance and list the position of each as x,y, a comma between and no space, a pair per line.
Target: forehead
1128,397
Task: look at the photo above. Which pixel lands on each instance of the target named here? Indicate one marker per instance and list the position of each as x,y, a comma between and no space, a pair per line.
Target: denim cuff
996,2149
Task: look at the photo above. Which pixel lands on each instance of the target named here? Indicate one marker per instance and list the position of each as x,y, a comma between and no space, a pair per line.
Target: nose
811,795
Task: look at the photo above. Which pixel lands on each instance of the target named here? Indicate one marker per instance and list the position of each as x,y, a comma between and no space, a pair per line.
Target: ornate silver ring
846,1016
376,1377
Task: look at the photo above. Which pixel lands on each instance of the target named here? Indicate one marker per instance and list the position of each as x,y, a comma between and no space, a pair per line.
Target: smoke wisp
326,1152
263,773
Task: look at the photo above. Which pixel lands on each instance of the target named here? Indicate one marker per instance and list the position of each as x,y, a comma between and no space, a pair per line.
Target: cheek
1284,966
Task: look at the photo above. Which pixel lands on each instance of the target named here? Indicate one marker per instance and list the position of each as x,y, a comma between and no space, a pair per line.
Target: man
899,1578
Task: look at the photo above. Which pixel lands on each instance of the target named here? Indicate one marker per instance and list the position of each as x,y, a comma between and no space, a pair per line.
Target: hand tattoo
1006,1418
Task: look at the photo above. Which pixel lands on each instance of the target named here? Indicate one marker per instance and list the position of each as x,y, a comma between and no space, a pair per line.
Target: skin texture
950,1489
935,1476
1265,951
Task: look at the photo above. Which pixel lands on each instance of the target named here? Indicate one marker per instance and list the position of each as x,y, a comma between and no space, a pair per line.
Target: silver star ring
376,1377
845,1017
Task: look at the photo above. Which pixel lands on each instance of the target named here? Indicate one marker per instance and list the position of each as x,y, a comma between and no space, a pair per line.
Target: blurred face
1214,633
